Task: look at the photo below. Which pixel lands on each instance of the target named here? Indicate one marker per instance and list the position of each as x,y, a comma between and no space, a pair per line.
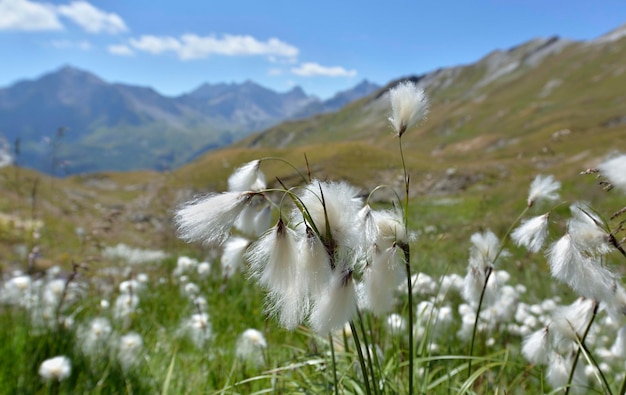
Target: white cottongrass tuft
247,178
341,204
615,170
55,369
396,324
232,255
94,338
543,188
584,228
536,346
210,219
532,233
274,262
558,372
250,347
129,350
198,329
409,105
336,306
381,278
484,250
585,275
315,263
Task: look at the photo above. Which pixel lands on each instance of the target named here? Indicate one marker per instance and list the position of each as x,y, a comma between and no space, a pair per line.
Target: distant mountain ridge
117,127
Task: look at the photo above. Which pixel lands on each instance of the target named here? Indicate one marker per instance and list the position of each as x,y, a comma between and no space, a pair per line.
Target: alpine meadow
457,232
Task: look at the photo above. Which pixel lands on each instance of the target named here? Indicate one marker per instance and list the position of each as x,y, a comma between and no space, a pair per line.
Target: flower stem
357,344
332,354
488,272
369,351
407,262
582,341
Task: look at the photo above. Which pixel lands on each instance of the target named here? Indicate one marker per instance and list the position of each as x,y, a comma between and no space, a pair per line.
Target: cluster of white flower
310,259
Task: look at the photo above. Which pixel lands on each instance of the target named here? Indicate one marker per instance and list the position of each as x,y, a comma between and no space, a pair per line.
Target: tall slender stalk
488,272
578,352
357,344
369,350
334,361
407,263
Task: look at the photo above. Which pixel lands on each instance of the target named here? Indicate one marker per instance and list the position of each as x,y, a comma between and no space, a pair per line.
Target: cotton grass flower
129,350
336,306
409,105
615,170
247,178
381,278
536,346
274,263
94,338
532,233
339,202
55,369
251,346
587,235
232,255
543,188
210,218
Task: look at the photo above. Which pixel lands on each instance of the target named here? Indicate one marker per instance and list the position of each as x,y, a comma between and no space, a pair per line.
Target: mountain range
71,121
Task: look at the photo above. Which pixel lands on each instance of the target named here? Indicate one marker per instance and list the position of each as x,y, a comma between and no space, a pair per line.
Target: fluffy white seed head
315,263
232,255
396,323
273,258
585,231
536,346
615,170
247,178
94,337
409,105
250,347
129,350
210,219
336,306
532,233
381,278
484,250
55,369
198,329
341,206
543,188
559,368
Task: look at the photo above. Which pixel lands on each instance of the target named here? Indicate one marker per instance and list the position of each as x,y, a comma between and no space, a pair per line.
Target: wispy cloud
120,50
62,44
92,19
191,46
25,15
312,69
275,71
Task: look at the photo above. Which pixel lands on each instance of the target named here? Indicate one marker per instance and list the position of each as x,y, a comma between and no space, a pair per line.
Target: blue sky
323,46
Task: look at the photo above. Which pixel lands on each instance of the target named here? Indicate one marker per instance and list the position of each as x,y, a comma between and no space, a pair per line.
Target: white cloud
62,44
311,69
28,16
191,46
92,19
121,50
156,45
